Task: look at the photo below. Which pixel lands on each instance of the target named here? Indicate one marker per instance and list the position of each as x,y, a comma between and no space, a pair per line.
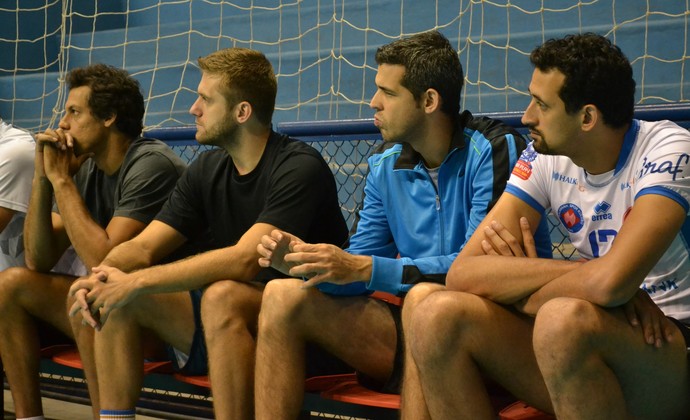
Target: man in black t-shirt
256,181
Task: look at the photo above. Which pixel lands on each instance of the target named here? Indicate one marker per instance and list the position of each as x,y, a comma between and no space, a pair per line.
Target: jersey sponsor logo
663,286
523,167
627,184
529,154
571,217
601,211
666,166
558,177
522,170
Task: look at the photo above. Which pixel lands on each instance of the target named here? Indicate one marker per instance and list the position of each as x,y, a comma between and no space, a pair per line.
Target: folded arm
504,279
614,278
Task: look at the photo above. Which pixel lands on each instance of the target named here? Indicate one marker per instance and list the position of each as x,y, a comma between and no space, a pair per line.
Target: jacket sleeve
489,164
372,235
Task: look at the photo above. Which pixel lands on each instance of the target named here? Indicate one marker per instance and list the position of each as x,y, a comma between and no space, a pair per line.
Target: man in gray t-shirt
96,183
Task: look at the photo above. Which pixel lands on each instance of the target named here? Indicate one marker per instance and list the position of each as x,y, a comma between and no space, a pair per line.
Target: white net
322,50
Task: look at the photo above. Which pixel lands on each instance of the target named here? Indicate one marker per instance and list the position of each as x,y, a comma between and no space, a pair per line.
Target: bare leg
119,346
25,296
597,366
456,338
229,312
358,330
413,403
83,336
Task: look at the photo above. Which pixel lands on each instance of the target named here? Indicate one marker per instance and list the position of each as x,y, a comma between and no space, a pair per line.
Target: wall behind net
322,50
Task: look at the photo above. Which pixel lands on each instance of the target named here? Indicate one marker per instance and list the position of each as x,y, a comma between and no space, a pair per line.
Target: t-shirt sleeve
298,186
665,169
528,180
180,211
16,173
146,186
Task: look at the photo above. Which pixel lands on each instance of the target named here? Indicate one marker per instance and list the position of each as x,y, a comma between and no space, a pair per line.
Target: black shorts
685,330
197,363
318,361
394,382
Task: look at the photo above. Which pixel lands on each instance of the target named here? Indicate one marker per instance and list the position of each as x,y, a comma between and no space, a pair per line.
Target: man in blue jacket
428,187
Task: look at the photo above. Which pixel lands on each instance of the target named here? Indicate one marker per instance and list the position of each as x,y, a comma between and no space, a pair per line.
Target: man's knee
14,282
434,328
282,302
564,326
417,294
226,304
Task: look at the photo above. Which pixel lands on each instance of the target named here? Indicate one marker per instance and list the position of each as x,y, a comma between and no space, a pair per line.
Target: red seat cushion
352,392
521,411
70,357
201,380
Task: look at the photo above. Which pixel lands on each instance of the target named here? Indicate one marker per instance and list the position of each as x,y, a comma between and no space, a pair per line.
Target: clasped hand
55,155
107,288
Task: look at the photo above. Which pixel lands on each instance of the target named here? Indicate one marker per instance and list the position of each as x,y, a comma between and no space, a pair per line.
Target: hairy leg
229,312
83,336
358,330
597,366
120,345
413,403
25,296
456,339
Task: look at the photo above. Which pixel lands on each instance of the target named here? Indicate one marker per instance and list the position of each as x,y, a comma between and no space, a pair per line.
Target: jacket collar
410,158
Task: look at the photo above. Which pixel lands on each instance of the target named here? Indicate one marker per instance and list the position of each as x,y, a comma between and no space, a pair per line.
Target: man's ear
431,100
243,111
590,117
110,120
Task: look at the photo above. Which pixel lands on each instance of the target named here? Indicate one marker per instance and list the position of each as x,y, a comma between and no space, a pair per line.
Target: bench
345,145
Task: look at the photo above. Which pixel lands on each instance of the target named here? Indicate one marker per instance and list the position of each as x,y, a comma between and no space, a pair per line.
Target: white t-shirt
655,159
16,173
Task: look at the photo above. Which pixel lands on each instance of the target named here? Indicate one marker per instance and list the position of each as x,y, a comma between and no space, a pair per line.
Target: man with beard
256,181
583,339
428,187
96,184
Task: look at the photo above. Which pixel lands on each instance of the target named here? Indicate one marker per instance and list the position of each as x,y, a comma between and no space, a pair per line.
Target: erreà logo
570,216
602,212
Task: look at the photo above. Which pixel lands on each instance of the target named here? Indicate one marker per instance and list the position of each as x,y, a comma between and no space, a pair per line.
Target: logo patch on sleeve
522,170
523,167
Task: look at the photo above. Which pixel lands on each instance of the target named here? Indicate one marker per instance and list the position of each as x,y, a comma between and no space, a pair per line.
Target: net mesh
322,50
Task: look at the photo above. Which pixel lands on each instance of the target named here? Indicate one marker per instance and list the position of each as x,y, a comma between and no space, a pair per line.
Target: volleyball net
323,55
322,51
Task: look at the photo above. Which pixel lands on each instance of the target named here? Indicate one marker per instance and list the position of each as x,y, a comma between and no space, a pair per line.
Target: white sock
117,414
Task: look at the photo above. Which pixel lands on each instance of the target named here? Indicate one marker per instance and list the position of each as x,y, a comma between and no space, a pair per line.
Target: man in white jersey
16,172
581,339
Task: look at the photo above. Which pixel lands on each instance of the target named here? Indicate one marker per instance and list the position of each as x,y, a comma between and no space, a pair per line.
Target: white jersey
655,159
16,173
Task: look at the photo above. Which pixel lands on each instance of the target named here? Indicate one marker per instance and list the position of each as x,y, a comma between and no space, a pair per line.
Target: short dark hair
596,72
113,92
430,62
247,76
